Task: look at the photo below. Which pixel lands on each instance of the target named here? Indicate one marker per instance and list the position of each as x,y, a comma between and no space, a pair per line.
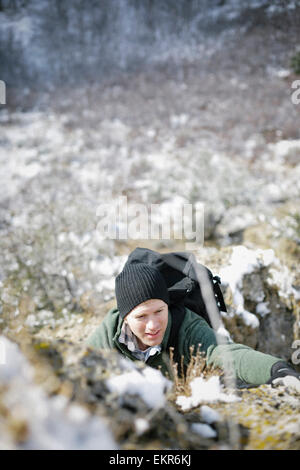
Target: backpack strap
178,313
218,294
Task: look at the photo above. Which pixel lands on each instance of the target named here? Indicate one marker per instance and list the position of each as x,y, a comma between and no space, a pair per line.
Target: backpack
190,284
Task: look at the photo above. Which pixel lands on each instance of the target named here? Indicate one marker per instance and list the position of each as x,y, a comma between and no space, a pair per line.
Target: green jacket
249,366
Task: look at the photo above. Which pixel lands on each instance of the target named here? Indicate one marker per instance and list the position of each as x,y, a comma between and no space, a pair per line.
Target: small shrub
197,367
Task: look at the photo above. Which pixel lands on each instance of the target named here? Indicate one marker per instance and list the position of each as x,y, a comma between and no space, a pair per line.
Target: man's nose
152,324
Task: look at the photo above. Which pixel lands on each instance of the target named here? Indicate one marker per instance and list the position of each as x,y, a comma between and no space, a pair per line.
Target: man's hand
283,374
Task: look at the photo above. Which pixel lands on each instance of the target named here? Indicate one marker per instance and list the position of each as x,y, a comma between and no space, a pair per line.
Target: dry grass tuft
197,367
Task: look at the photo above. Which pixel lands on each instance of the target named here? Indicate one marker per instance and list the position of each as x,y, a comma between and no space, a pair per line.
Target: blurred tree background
162,101
44,43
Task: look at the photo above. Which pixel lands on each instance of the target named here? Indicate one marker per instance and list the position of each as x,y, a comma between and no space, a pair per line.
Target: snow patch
209,415
244,261
52,422
203,390
280,276
141,426
262,309
204,430
148,383
285,149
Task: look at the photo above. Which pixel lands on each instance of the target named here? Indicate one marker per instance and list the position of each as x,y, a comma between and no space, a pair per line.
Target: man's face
148,321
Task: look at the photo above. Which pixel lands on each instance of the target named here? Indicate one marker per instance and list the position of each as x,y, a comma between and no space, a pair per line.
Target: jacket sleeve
249,366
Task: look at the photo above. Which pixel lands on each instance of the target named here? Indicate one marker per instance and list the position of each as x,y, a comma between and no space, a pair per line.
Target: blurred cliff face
48,42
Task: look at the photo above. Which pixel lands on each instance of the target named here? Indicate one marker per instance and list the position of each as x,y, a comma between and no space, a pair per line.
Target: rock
110,387
233,223
31,420
271,416
261,297
81,396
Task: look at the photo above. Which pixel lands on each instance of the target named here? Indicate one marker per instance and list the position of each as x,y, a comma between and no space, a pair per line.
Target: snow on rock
204,430
147,383
286,150
107,269
141,426
14,366
280,276
47,423
209,415
244,261
260,293
203,390
262,308
236,219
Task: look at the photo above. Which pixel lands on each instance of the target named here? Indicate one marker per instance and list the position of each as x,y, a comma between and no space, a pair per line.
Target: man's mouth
153,335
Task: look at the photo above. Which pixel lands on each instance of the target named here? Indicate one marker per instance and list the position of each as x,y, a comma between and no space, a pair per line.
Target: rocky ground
76,381
270,415
216,125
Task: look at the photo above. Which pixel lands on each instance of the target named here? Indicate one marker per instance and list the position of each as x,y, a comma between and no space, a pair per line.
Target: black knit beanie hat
137,283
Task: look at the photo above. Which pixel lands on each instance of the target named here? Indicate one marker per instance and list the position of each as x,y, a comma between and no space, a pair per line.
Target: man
139,328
